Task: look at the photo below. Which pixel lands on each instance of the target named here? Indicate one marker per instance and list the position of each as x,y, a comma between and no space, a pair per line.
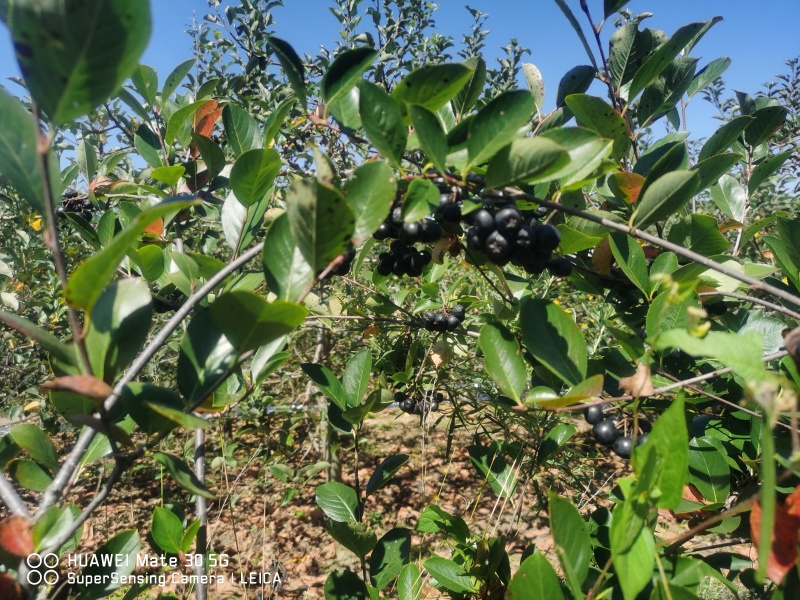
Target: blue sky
758,37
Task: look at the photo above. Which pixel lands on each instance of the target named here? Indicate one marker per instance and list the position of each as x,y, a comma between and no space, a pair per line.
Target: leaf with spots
596,114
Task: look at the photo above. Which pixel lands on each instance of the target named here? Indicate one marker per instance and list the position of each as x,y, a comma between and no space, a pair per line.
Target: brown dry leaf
640,384
783,546
155,228
602,257
370,331
85,385
630,184
791,341
204,120
691,494
16,538
441,354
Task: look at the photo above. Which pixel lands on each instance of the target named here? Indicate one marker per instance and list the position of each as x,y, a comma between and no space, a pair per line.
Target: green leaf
627,49
168,175
535,578
146,404
553,338
469,94
385,471
249,321
785,258
708,75
29,475
664,197
634,566
432,86
345,585
662,96
182,475
535,83
54,522
320,220
708,470
421,199
631,259
576,81
174,80
355,379
167,530
241,130
292,67
253,174
104,38
713,168
725,136
274,122
688,35
705,237
562,4
145,80
328,383
765,169
267,359
89,279
61,351
19,162
527,160
87,159
148,146
205,356
612,6
112,561
345,72
179,123
286,271
730,197
31,438
382,122
571,537
338,501
586,150
596,114
409,583
357,537
674,158
370,192
118,328
491,464
431,135
766,121
502,360
449,575
497,124
433,519
390,554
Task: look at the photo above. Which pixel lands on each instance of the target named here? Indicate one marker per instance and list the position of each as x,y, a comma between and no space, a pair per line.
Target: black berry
605,432
459,312
498,248
547,239
623,446
453,322
593,414
560,267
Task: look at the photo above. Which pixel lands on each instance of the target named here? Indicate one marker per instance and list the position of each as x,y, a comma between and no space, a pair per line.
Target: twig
201,504
754,300
12,499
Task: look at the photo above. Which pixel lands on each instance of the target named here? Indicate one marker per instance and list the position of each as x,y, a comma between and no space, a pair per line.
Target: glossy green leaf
432,86
725,136
497,124
634,566
179,123
469,94
502,360
275,120
730,196
167,530
52,524
241,130
688,35
785,257
631,259
385,471
369,192
766,121
145,80
430,135
92,276
292,67
664,94
253,174
357,537
708,75
494,469
338,501
627,49
212,154
552,338
182,475
286,271
143,401
708,470
766,169
388,557
409,583
345,585
535,578
19,161
571,537
535,83
345,72
382,122
562,4
576,81
105,39
174,79
168,175
328,383
321,222
449,575
29,474
63,352
526,160
112,561
355,379
267,359
118,327
87,159
205,356
665,196
148,146
705,237
586,150
596,114
31,438
674,158
434,519
713,168
612,6
421,199
249,321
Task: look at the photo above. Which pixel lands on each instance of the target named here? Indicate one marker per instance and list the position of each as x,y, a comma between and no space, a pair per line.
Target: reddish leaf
783,547
9,588
85,385
205,118
602,257
627,185
691,494
15,537
155,228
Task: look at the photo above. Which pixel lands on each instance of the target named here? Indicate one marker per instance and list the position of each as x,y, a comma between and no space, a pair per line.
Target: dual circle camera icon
42,569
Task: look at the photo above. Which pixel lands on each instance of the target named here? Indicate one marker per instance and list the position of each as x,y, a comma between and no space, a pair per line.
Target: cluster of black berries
71,203
506,236
450,201
414,405
343,268
403,260
438,321
394,227
605,431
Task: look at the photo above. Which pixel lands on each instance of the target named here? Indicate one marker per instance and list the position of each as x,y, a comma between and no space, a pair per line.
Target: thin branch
72,463
754,300
12,499
648,237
